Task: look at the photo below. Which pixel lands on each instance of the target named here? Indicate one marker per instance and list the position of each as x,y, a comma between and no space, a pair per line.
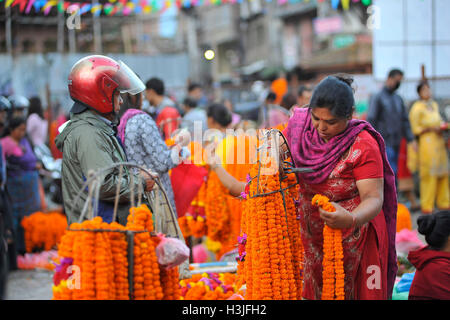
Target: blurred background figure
406,185
5,109
388,115
304,94
163,110
219,117
428,126
192,114
272,114
155,95
58,118
289,101
22,176
130,101
235,118
280,87
195,92
37,126
19,106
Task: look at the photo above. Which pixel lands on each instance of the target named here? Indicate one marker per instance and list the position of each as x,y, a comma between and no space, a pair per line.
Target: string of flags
127,7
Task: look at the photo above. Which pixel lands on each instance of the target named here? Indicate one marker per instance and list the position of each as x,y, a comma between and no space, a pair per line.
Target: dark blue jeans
392,155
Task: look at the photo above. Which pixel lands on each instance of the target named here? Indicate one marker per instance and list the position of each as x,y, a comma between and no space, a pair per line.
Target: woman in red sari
350,167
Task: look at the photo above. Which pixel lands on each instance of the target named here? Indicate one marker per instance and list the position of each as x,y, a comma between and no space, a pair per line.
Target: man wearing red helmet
89,140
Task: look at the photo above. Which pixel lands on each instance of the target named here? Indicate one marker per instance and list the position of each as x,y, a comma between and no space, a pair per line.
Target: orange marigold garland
333,255
147,283
101,257
272,265
43,230
216,209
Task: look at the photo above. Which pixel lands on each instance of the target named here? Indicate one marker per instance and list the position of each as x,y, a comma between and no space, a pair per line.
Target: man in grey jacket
389,116
89,140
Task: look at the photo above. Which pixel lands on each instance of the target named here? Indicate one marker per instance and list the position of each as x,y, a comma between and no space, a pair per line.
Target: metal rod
130,254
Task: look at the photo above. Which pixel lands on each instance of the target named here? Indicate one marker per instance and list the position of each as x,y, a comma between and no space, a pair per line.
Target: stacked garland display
94,262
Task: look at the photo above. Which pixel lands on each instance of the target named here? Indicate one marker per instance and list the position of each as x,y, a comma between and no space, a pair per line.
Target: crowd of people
361,166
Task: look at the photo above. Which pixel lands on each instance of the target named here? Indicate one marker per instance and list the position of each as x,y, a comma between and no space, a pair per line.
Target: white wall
412,33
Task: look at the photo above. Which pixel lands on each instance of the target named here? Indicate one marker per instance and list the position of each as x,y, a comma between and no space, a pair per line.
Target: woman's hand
340,219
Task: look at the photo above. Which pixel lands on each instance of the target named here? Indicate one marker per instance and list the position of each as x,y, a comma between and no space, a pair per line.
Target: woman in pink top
37,126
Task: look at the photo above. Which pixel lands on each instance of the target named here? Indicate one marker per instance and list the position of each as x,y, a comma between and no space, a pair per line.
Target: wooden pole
423,72
8,31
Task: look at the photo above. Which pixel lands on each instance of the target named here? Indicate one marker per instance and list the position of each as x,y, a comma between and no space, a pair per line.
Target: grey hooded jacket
89,143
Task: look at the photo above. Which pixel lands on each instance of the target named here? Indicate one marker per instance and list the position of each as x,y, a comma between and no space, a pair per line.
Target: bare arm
372,198
234,186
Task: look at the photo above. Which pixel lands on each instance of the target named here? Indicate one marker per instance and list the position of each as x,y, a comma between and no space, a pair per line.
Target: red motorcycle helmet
94,79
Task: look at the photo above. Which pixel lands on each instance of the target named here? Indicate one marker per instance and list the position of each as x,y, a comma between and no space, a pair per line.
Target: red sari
366,247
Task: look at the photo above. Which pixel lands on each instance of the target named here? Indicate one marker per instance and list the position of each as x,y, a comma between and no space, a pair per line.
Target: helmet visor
128,81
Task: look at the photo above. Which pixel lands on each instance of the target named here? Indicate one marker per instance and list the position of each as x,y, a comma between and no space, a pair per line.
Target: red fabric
403,171
186,181
363,161
169,116
371,277
432,278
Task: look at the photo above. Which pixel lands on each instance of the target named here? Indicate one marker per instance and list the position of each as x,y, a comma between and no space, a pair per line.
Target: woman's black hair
436,228
13,123
130,101
336,94
190,103
288,101
219,113
421,85
36,107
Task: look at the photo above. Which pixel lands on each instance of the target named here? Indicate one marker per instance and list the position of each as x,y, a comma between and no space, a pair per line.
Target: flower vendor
350,168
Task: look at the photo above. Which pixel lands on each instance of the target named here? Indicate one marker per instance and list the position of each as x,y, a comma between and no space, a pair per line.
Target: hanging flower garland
272,267
216,209
333,274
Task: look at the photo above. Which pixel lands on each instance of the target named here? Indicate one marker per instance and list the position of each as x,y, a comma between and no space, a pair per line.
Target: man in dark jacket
89,140
388,115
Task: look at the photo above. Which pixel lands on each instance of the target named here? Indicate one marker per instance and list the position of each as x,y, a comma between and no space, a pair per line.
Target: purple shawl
130,113
309,150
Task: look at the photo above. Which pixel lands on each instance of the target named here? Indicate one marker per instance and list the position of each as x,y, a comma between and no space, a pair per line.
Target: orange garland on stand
101,257
271,267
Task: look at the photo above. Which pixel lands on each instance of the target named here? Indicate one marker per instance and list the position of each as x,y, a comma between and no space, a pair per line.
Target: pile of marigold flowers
333,255
94,265
270,262
43,231
208,286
